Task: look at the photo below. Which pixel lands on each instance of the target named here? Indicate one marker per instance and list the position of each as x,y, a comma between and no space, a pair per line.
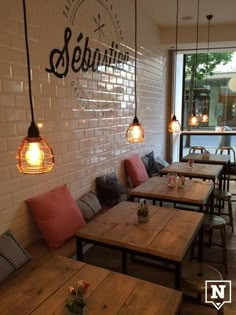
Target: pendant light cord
209,17
28,60
176,27
176,42
135,59
196,57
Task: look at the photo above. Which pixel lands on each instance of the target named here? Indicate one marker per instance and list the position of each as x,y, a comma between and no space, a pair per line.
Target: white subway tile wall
87,130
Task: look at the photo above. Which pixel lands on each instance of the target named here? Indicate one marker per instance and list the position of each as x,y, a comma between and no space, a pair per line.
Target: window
206,89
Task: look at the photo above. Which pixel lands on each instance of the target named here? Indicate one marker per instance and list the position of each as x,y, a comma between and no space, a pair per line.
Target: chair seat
213,221
222,195
194,275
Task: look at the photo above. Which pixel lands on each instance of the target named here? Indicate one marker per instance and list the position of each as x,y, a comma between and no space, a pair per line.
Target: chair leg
231,220
210,238
224,249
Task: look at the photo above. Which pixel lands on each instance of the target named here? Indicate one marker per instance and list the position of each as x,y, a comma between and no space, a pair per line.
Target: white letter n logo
218,292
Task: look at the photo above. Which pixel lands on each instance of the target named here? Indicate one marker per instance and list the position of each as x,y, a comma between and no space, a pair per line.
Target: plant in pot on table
143,212
75,303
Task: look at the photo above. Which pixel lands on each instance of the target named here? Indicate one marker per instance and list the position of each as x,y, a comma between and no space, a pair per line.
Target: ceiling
163,12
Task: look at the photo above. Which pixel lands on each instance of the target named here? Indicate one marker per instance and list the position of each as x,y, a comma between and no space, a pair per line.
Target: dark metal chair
231,172
194,276
197,148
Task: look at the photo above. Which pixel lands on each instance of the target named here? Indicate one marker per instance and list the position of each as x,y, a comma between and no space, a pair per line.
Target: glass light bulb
136,132
174,126
204,118
34,155
193,121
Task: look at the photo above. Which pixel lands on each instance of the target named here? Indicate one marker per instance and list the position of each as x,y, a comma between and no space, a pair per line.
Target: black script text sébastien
83,57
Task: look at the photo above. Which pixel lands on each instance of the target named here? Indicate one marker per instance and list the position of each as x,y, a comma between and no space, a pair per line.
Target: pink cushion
56,215
136,170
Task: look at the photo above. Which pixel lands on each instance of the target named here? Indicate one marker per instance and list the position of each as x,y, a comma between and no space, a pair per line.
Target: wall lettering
91,51
83,58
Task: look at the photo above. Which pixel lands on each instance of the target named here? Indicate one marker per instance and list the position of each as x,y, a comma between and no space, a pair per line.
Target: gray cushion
109,189
89,205
151,165
12,255
161,163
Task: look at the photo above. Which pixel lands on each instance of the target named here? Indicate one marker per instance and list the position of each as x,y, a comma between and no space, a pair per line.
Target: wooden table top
193,192
221,159
42,286
204,171
168,233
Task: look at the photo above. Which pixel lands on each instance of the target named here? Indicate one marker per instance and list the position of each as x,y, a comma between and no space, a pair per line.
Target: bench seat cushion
39,249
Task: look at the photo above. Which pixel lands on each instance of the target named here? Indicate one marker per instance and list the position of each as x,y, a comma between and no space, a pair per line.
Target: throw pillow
136,170
89,205
154,168
161,163
109,189
145,160
56,215
12,255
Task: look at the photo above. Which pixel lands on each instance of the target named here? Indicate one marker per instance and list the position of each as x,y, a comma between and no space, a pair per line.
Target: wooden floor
111,259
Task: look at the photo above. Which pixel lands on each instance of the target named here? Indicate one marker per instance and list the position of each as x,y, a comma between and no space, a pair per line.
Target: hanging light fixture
193,120
135,132
174,125
35,156
205,116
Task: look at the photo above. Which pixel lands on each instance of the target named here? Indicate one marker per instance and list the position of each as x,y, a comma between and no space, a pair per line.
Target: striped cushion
89,205
12,255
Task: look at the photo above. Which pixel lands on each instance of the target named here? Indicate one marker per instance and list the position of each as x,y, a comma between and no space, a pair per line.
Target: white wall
86,142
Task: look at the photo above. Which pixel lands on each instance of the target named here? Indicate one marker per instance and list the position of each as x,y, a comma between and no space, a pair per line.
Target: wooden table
167,235
194,193
204,171
42,286
218,159
198,132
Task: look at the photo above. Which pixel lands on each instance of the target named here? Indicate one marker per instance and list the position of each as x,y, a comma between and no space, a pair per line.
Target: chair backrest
197,148
227,150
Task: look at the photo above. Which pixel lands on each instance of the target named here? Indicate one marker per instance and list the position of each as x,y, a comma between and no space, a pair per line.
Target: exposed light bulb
204,118
174,125
136,132
34,156
193,121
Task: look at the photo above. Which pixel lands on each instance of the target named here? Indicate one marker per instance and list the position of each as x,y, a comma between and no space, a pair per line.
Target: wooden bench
39,249
68,249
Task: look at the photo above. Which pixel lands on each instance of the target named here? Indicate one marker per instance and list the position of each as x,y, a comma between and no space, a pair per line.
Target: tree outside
198,69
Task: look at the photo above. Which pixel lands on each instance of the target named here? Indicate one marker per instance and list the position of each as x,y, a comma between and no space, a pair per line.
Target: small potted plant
75,303
142,212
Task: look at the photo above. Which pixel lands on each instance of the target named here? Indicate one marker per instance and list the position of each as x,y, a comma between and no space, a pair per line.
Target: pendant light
35,156
193,120
205,117
174,125
135,132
